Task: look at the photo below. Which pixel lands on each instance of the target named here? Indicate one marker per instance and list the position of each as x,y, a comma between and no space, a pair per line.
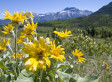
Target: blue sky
44,6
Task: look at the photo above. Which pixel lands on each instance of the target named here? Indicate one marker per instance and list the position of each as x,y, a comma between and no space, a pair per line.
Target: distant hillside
102,17
107,9
90,21
3,22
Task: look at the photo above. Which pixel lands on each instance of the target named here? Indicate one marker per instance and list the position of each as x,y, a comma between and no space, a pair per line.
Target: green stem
2,76
41,71
36,78
100,72
11,49
15,44
18,71
55,73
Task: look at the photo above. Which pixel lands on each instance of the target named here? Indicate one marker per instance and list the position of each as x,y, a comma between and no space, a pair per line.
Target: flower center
29,32
15,22
55,53
39,55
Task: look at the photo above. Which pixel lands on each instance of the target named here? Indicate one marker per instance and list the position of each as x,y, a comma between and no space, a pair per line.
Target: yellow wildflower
79,54
21,38
38,54
1,49
20,41
106,66
57,52
8,29
81,59
18,55
16,18
4,43
62,34
30,14
29,30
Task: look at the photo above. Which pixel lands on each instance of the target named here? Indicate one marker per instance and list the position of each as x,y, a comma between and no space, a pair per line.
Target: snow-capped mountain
69,12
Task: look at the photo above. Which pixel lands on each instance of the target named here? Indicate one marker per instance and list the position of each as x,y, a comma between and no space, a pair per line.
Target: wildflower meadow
27,56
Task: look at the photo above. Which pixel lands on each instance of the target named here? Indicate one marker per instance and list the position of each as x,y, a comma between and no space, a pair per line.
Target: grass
92,66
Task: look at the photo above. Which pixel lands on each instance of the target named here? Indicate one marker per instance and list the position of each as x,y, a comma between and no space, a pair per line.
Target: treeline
101,32
89,21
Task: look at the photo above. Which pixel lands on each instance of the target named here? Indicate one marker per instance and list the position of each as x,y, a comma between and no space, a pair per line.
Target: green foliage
24,76
87,44
2,66
65,77
5,78
89,21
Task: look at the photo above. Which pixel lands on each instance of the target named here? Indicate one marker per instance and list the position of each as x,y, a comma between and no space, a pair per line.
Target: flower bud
56,76
8,46
30,19
105,66
70,57
25,22
12,32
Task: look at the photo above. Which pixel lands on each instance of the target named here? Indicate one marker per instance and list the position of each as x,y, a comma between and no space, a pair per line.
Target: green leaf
26,73
8,78
69,70
10,66
24,76
5,78
66,67
51,78
2,66
77,78
64,76
89,79
45,80
65,64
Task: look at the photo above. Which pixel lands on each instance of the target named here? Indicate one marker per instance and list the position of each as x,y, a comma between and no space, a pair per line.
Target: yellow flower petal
35,66
62,34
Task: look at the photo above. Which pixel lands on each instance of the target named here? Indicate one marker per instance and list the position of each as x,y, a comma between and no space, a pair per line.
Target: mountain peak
68,12
71,9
